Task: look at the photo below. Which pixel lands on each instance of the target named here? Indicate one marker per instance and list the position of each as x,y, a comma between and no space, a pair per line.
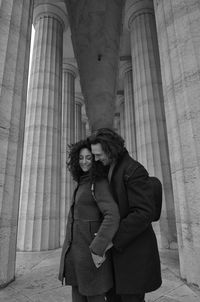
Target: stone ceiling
96,31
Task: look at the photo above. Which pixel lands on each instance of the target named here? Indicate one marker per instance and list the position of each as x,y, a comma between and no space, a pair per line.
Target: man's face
100,155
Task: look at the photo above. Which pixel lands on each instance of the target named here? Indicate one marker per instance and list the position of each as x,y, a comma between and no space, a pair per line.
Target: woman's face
85,159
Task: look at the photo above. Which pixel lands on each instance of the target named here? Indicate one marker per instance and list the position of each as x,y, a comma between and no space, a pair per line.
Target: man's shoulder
128,162
130,165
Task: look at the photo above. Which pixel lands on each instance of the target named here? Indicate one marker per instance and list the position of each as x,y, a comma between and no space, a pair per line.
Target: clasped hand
98,260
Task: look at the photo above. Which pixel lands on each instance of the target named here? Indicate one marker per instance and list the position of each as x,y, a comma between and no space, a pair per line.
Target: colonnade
158,115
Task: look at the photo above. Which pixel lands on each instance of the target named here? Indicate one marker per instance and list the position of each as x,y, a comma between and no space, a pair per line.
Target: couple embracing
110,251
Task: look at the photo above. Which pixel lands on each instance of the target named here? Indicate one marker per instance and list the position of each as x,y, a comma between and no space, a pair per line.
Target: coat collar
110,172
114,164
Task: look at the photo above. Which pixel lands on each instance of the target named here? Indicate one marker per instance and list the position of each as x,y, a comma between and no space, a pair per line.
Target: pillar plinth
39,227
150,124
15,36
178,24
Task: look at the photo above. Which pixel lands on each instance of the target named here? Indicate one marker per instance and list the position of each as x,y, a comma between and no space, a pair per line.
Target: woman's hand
98,260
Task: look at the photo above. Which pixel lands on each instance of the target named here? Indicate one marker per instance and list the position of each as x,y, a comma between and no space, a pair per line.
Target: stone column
39,227
67,138
122,115
84,125
178,24
116,123
151,136
15,34
78,117
126,74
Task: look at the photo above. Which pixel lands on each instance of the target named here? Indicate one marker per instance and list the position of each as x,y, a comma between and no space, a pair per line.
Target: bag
156,196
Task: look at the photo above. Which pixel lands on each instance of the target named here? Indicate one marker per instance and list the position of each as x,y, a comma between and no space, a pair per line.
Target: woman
92,222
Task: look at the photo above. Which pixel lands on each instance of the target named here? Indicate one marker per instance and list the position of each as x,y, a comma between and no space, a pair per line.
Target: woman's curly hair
111,142
97,170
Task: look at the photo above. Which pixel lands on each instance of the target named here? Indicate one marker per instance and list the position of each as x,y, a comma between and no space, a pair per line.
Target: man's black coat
135,253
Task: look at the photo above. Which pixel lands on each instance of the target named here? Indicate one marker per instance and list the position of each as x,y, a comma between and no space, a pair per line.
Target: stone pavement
36,280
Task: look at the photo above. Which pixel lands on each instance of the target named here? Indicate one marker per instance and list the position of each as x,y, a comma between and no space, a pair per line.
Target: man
135,252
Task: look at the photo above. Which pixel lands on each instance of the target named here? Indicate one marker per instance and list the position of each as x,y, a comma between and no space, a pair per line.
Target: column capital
133,8
50,10
71,68
124,67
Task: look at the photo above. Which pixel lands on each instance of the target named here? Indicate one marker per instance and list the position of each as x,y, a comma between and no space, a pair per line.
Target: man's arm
141,209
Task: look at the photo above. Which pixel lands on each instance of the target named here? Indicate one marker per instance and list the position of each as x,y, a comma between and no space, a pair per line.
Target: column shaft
151,136
68,137
78,119
122,117
129,113
15,33
40,188
84,122
178,24
116,123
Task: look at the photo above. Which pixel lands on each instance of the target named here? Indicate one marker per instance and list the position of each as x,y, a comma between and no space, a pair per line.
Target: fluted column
15,33
178,24
40,188
122,116
84,125
78,117
151,136
126,74
67,138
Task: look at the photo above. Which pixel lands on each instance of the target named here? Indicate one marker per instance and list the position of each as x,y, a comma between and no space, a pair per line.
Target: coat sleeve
110,223
140,209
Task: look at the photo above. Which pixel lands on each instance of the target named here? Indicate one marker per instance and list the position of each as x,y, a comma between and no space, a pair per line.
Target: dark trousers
112,297
77,297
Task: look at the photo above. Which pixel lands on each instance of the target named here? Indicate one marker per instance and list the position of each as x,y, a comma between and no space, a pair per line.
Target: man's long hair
111,142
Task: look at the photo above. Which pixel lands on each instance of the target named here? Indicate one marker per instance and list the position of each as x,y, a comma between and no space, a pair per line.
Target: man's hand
109,246
98,260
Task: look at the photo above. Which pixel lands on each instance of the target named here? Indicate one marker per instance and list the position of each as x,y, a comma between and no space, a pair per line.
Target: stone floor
36,281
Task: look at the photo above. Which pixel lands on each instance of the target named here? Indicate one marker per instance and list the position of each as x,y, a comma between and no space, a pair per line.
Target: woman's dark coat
91,226
135,253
